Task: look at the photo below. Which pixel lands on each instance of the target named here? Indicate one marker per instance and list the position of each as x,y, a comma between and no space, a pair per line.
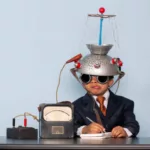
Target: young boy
100,110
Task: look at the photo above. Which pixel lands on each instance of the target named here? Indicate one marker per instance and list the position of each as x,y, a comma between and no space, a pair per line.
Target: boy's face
96,88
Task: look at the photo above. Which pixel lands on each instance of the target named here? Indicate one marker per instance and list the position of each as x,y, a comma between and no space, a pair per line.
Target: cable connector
25,122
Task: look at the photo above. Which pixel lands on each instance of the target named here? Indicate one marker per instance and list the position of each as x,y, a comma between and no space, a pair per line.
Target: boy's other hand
93,128
118,132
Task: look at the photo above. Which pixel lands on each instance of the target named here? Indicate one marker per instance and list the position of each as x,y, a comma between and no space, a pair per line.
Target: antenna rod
101,10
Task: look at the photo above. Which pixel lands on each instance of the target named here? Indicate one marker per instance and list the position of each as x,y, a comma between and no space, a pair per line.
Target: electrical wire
59,83
27,114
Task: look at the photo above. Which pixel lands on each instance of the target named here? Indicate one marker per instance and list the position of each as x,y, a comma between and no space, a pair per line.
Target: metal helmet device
98,62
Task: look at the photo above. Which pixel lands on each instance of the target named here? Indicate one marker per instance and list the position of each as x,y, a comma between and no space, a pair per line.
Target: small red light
78,65
102,10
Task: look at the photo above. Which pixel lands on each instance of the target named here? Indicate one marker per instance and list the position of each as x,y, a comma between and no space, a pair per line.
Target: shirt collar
106,95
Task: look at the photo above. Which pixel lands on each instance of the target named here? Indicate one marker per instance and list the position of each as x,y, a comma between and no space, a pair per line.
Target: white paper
96,136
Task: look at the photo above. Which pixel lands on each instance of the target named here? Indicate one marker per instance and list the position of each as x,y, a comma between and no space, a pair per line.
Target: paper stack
96,136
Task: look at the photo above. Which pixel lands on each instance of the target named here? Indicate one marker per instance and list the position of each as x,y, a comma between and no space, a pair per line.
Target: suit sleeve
130,121
78,120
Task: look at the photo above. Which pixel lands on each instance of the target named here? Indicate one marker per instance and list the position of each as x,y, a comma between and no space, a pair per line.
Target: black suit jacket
120,112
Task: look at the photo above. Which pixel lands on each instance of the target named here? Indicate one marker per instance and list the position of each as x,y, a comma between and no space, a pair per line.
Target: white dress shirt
106,95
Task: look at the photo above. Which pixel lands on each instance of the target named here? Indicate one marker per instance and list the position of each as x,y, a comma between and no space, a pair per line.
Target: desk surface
111,143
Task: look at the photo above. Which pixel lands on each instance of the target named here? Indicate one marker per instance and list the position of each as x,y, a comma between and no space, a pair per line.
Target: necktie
101,99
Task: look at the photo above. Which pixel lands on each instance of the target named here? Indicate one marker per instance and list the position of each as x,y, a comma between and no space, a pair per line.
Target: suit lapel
88,104
113,105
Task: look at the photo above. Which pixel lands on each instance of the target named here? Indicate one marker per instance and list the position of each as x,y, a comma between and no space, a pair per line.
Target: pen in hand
89,119
92,122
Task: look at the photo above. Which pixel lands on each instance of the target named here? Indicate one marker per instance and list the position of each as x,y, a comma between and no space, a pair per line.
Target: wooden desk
111,143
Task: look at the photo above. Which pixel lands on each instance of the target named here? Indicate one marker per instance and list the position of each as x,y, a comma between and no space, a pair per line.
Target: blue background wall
38,36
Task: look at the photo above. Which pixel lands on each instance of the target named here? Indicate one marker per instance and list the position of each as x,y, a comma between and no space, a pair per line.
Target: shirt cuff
79,130
128,132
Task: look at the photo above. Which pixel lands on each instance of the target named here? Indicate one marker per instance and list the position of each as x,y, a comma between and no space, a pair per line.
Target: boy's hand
118,132
93,128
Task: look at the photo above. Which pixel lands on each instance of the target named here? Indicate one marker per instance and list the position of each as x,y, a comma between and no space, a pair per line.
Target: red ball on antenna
102,10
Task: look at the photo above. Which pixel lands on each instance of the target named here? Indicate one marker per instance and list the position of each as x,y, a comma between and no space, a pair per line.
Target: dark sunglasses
87,78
